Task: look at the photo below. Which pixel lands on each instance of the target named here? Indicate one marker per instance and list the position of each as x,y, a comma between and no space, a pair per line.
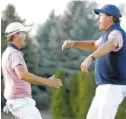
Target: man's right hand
67,44
33,79
54,82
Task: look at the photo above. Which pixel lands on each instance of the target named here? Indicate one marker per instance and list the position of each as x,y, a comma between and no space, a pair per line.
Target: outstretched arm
88,45
33,79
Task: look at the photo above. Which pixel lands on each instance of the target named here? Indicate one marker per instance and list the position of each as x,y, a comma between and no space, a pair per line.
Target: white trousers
24,108
106,101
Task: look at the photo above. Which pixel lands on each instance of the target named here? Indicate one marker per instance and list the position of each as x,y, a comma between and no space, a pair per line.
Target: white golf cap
14,28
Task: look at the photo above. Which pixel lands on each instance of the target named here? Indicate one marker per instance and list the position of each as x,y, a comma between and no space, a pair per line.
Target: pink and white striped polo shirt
14,87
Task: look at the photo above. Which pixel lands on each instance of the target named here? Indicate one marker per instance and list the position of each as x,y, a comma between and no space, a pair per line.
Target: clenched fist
86,63
67,44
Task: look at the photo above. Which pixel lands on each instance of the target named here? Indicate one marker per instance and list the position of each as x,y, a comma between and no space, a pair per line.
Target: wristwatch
93,58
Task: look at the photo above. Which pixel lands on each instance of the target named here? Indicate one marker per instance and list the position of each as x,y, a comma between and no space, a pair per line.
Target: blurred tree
86,93
59,100
41,97
77,23
73,95
121,113
46,50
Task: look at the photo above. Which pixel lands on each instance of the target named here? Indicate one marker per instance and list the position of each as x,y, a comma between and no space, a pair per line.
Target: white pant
24,108
106,101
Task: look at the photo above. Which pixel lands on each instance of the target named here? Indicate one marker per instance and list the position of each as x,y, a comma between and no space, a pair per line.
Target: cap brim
26,29
12,33
97,11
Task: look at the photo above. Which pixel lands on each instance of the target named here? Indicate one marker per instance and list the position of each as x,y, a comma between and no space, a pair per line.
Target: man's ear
15,36
110,18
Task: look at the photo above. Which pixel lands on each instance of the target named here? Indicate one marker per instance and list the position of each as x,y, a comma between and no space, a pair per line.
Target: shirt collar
13,46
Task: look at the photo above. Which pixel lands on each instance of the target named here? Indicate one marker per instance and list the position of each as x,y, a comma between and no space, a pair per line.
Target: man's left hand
86,63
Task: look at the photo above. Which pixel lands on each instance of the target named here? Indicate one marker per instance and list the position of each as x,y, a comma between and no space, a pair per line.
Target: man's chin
101,29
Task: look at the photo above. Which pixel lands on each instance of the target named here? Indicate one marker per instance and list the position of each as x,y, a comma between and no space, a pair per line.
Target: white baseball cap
14,28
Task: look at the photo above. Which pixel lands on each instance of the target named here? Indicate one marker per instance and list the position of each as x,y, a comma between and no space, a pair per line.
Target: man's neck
109,25
15,45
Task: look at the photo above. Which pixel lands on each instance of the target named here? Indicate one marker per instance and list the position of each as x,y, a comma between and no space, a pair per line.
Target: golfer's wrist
93,57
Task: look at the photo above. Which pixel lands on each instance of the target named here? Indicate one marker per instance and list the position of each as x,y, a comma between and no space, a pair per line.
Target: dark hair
115,19
10,39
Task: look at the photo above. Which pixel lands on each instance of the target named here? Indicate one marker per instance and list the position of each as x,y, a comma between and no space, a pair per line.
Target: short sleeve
16,58
117,37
